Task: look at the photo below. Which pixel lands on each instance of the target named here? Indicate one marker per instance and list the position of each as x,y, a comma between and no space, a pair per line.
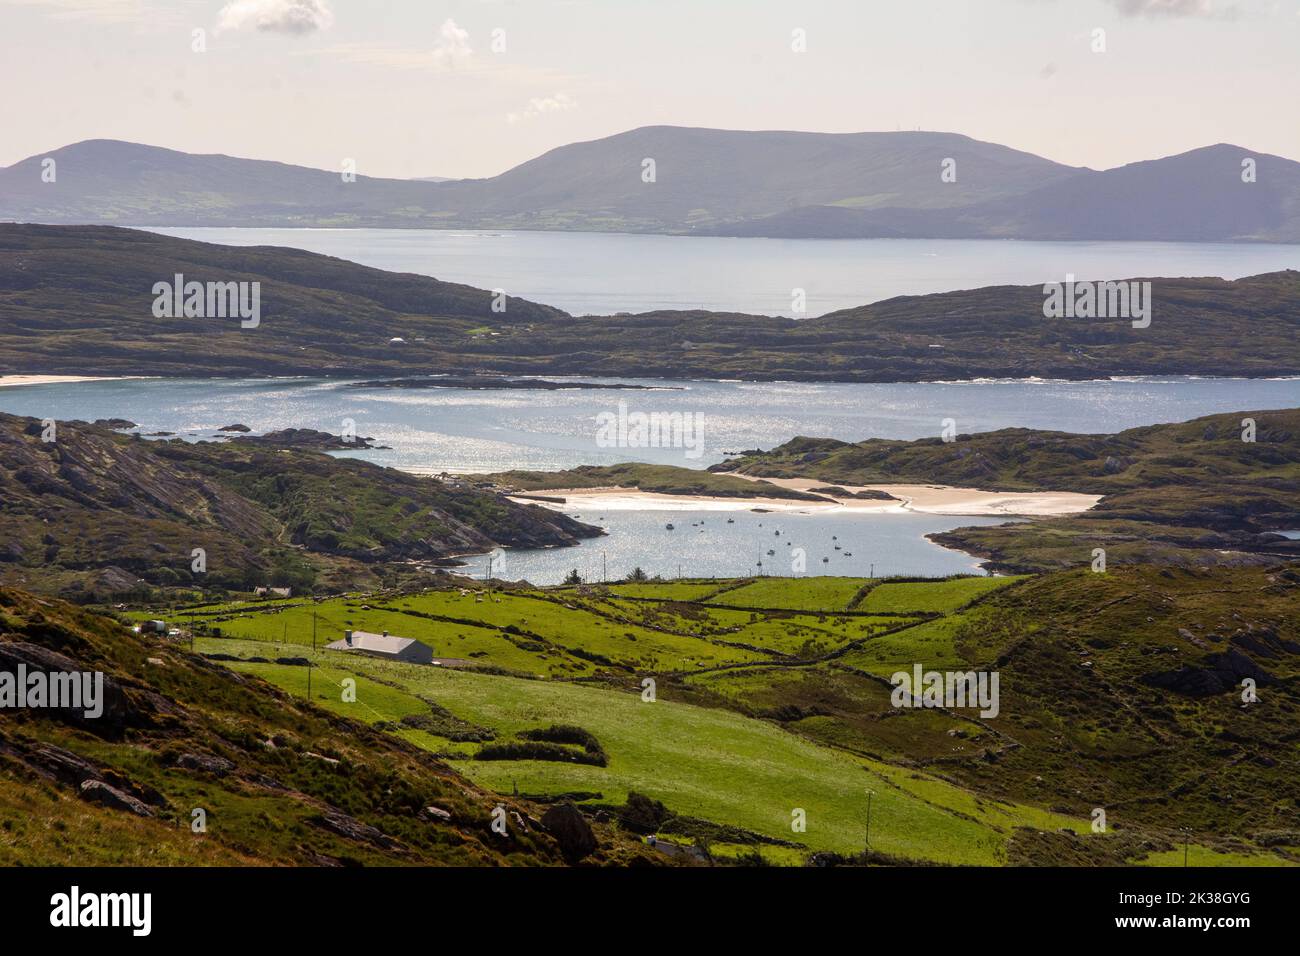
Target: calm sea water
481,431
463,430
586,273
704,544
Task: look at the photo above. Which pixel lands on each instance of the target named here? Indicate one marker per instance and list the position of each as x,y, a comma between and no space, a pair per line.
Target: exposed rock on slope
95,511
279,780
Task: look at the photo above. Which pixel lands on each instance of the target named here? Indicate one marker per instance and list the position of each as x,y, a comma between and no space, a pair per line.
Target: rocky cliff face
97,511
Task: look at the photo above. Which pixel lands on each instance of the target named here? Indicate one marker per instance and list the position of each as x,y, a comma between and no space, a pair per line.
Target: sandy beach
58,379
917,499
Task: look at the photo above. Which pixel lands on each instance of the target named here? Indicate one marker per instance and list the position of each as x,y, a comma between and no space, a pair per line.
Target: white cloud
452,49
276,16
559,103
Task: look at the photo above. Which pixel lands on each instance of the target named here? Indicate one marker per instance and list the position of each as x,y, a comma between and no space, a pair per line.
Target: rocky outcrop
97,791
115,710
572,832
353,829
308,438
1219,673
206,763
102,514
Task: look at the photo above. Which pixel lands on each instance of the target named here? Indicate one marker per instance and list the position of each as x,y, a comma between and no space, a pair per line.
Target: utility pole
870,794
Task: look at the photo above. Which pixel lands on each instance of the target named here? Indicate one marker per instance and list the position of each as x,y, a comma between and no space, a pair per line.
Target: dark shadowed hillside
78,300
95,512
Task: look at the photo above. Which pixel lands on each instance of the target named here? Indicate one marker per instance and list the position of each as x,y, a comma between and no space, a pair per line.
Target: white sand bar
921,499
58,379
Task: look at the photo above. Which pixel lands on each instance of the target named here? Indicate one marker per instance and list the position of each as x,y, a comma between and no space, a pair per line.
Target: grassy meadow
771,705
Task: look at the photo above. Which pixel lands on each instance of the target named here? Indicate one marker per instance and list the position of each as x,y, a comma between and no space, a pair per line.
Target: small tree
573,577
638,575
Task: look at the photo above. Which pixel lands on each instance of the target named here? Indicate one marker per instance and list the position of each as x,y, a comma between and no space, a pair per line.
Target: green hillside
279,782
1118,691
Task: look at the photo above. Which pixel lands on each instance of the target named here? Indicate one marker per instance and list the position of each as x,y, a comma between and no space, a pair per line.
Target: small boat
669,526
731,521
770,552
826,560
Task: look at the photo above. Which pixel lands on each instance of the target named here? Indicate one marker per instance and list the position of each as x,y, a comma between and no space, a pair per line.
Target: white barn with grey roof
384,645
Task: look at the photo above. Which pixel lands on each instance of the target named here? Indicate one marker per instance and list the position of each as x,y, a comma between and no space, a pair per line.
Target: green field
803,594
702,762
929,642
1206,856
668,590
762,710
934,596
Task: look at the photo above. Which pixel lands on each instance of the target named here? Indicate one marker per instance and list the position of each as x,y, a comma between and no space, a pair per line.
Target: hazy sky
415,88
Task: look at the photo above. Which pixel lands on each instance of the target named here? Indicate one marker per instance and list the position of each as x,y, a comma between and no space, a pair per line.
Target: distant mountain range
81,300
705,181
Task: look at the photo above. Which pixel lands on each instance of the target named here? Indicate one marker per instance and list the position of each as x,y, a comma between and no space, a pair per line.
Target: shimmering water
704,544
463,430
603,273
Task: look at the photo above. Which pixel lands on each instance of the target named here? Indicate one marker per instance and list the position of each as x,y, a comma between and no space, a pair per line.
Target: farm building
384,645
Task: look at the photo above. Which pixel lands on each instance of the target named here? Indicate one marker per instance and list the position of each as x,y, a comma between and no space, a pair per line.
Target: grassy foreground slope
704,763
1120,691
278,781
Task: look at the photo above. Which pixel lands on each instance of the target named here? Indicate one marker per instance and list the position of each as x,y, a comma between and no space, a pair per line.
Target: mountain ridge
773,183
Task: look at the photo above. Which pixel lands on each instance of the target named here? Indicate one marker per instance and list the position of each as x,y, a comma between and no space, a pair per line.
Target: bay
467,431
475,431
604,273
